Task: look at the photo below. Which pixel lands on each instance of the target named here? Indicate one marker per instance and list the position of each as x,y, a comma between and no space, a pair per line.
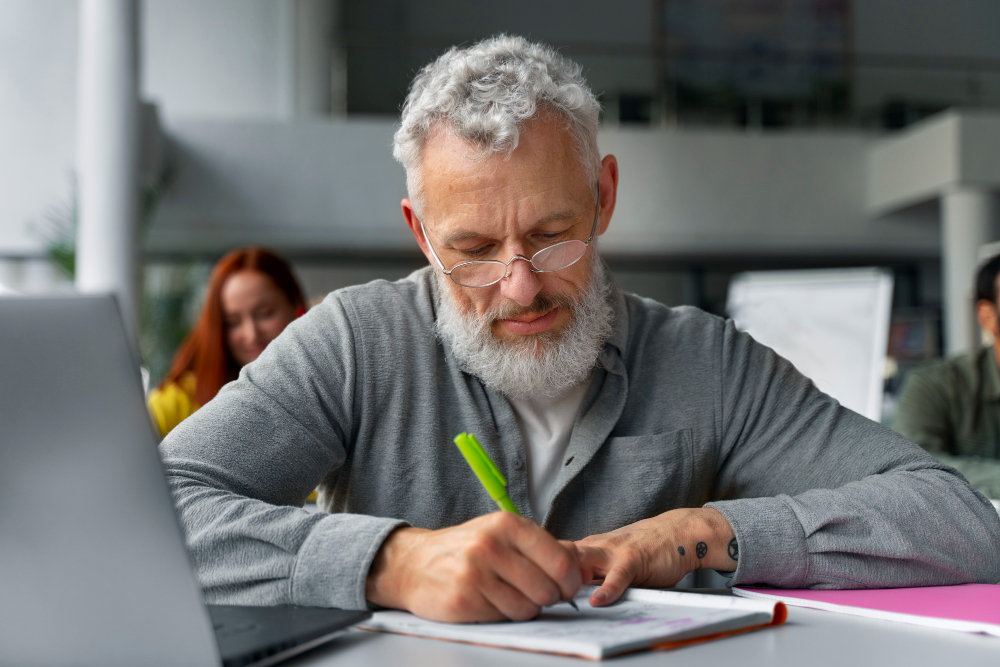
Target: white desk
808,638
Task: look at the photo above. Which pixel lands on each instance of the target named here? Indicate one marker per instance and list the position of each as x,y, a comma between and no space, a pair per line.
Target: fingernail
599,598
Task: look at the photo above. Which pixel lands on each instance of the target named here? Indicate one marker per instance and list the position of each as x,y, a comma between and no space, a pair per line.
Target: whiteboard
833,325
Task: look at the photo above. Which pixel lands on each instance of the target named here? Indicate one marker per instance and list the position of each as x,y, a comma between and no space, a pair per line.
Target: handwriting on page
640,619
593,625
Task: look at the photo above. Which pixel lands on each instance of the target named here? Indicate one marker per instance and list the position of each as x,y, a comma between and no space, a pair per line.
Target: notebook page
644,618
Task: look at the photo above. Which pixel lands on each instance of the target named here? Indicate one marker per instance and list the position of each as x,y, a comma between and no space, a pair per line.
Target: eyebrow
464,235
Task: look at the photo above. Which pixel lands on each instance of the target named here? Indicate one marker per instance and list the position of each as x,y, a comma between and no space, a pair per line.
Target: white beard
544,365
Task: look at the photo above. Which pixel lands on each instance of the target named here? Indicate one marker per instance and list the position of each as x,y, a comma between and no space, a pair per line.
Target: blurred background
141,140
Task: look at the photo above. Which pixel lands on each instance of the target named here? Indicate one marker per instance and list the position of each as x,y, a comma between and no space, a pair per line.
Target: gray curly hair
486,92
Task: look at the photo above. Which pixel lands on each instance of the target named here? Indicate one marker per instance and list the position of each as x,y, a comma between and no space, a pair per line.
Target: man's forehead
460,228
539,181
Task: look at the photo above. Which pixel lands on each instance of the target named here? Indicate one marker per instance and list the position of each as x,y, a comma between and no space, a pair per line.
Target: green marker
487,472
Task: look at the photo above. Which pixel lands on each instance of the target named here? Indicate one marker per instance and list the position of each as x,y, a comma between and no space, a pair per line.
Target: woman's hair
205,351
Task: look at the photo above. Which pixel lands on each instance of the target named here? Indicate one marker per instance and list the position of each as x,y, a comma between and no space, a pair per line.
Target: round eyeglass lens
559,256
478,274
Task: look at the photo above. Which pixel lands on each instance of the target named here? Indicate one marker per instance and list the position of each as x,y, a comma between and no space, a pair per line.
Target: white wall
213,58
306,185
727,192
333,185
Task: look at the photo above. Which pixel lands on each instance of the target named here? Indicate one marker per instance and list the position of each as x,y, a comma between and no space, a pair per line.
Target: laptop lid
93,567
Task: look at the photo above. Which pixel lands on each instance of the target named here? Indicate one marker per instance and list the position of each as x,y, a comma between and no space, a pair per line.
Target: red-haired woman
252,296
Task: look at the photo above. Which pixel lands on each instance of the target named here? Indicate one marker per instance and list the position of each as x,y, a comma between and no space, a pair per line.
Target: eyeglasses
486,272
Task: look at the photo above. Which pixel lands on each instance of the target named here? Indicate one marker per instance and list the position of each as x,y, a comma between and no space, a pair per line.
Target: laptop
93,565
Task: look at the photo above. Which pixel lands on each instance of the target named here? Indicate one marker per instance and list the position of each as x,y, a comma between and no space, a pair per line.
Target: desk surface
809,637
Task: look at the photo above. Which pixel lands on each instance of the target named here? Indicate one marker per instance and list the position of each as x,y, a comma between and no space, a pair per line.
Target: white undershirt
546,425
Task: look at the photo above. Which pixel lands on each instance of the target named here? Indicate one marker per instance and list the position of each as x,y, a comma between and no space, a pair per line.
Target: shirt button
518,464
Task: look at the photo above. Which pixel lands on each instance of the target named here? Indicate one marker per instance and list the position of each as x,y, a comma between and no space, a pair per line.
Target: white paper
833,325
641,619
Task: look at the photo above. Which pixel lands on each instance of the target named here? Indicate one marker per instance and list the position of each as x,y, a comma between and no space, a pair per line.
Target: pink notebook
966,608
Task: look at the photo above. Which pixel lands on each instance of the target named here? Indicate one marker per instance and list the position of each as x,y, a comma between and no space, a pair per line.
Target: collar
612,358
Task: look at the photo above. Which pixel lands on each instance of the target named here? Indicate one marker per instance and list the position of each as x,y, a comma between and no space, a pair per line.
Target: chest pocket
637,477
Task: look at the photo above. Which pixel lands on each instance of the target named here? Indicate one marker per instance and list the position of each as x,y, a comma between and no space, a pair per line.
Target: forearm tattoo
680,550
701,549
734,549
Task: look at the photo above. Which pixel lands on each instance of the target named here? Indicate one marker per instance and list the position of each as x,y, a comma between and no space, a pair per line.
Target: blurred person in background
951,407
252,296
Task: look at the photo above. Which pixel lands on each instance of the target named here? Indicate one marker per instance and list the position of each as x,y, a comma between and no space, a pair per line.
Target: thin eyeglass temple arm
597,217
434,254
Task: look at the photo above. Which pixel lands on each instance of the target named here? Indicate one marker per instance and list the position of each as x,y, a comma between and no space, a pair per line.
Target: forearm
820,496
247,551
240,469
703,539
918,527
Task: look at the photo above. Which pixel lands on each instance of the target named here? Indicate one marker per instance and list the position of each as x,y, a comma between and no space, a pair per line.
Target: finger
465,607
616,581
586,574
559,563
594,560
510,602
528,579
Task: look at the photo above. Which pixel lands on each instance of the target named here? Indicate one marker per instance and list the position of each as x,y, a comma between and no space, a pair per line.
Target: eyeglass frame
506,265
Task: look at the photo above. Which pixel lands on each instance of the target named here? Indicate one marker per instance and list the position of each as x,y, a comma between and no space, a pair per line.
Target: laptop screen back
94,569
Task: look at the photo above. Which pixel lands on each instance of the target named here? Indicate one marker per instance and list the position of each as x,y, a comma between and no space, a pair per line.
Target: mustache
542,303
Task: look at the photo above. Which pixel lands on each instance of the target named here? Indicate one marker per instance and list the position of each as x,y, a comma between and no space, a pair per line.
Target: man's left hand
657,552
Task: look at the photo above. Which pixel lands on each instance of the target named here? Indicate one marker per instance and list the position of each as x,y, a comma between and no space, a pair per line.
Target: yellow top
173,404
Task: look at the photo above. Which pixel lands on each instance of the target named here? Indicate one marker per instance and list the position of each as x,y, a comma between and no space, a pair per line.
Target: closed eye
477,252
549,238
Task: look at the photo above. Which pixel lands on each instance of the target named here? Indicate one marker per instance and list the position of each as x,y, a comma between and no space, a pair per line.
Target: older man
660,440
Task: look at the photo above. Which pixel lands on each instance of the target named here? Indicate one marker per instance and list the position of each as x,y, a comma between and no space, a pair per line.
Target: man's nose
522,285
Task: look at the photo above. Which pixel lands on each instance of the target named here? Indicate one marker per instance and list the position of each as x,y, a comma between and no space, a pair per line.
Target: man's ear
989,319
608,185
413,222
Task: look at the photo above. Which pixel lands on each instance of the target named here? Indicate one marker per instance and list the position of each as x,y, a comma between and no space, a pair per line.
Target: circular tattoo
734,549
701,549
680,550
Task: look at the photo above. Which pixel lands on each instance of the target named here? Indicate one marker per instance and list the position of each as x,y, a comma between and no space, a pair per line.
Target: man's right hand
493,568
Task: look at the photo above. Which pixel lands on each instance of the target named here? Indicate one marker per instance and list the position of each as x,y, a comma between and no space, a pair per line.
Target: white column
311,71
970,217
108,152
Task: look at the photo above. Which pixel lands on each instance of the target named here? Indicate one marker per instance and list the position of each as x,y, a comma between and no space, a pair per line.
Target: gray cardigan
360,398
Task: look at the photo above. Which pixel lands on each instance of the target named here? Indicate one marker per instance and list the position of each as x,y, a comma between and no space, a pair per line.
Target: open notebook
642,619
966,608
